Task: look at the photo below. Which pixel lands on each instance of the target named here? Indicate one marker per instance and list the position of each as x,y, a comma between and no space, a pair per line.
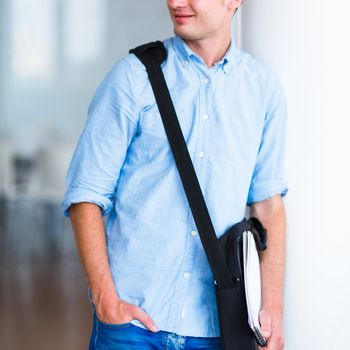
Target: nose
177,3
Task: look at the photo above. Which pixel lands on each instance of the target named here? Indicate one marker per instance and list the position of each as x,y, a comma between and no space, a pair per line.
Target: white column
306,43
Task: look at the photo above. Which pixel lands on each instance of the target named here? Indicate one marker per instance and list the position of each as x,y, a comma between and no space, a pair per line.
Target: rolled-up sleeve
102,147
269,173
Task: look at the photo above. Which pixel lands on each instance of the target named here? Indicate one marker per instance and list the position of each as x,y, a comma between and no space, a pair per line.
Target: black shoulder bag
224,254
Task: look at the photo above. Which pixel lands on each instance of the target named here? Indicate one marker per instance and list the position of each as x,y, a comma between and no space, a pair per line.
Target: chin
186,34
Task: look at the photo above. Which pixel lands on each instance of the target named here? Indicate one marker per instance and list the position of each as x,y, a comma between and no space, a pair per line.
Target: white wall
307,44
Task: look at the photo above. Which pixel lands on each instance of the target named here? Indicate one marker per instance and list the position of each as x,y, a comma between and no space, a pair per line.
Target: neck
211,50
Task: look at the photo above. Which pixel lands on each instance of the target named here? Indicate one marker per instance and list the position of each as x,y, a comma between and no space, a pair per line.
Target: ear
234,4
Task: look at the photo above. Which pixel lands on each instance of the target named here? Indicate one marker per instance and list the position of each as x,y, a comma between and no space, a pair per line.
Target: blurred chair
52,161
7,168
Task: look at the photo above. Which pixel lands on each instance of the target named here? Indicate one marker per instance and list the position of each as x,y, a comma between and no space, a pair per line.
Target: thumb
139,314
265,323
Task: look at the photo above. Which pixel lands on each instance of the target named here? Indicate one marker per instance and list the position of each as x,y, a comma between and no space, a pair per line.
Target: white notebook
252,281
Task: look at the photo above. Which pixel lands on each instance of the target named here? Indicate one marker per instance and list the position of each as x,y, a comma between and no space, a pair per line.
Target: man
149,280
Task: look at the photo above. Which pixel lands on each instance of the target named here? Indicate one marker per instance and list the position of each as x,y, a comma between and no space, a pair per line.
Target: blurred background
54,53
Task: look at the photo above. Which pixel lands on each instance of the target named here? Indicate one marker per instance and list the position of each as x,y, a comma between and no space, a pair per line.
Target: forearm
89,233
272,261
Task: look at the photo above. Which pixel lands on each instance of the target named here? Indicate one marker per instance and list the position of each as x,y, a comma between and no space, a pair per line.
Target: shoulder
261,71
129,68
136,65
263,76
121,73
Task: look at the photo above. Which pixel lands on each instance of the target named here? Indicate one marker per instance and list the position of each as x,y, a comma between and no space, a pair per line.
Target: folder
252,282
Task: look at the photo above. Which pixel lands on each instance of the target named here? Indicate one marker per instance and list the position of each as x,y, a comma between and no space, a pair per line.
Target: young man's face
200,19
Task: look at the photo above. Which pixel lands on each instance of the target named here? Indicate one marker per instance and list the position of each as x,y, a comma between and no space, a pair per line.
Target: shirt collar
185,54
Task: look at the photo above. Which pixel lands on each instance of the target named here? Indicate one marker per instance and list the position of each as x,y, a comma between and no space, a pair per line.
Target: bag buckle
235,280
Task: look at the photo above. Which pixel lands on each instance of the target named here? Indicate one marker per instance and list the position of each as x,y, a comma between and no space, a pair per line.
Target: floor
43,297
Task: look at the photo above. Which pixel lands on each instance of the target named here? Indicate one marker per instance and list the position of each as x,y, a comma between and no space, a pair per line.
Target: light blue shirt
233,117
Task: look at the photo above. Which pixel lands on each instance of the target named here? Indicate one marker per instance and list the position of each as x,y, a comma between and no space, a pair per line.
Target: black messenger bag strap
235,333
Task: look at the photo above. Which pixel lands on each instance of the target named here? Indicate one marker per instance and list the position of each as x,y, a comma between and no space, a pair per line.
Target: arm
267,186
90,238
272,262
91,181
89,232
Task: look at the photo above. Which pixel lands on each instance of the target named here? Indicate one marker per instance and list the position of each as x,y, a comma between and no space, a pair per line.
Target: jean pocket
104,324
112,325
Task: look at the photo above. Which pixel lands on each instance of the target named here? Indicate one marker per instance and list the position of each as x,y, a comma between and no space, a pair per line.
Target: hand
271,322
111,309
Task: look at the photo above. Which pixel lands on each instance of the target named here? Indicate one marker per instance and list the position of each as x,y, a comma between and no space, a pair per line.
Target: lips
182,18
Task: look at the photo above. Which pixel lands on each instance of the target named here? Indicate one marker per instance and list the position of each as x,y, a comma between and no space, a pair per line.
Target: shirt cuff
78,195
266,189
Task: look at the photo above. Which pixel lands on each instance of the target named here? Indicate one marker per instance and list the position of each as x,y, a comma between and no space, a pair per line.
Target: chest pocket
153,139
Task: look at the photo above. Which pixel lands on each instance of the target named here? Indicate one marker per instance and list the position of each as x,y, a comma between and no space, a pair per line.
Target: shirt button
187,61
205,81
201,154
186,275
193,233
205,116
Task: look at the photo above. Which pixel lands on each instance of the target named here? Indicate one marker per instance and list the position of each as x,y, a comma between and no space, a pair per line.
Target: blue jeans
127,336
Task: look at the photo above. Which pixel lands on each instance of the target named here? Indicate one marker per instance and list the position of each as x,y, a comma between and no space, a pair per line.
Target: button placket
193,244
204,115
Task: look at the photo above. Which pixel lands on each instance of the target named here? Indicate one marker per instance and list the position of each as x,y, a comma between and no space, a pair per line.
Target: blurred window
33,38
84,24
